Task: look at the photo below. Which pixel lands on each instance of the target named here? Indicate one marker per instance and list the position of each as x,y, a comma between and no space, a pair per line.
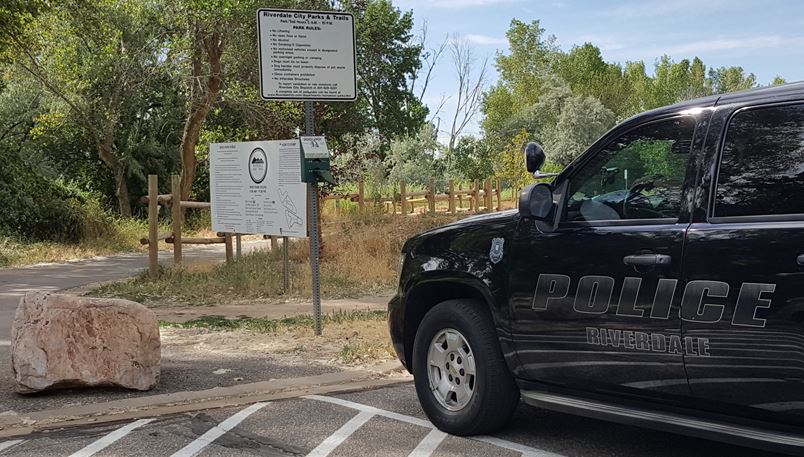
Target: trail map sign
256,188
307,55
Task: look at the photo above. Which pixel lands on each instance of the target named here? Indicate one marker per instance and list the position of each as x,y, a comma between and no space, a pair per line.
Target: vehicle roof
761,93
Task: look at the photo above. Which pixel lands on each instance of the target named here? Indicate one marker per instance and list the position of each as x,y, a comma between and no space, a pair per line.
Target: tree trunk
204,91
117,169
189,140
121,190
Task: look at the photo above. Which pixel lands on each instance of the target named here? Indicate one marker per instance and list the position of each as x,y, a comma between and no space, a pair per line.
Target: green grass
262,325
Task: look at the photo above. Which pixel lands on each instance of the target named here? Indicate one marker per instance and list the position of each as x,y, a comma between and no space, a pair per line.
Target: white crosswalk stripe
217,431
429,444
340,435
9,444
109,439
526,451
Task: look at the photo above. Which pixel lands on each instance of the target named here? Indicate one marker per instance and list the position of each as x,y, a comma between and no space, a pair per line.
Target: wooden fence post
432,197
153,225
361,187
402,198
176,216
460,195
451,197
487,195
229,254
499,196
477,195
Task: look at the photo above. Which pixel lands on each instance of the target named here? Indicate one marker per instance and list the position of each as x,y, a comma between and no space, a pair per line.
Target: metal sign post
315,243
308,56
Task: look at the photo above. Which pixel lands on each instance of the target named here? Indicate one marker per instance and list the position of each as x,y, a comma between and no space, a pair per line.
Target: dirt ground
357,344
266,309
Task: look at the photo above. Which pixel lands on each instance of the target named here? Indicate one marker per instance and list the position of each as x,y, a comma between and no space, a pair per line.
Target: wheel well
423,298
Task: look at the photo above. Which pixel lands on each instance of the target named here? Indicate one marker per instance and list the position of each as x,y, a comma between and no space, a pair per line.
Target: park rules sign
256,187
307,55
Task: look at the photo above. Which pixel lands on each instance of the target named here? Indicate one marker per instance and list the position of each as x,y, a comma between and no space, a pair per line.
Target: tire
488,398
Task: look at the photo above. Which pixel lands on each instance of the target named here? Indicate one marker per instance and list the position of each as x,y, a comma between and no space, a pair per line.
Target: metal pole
176,216
153,225
312,193
285,265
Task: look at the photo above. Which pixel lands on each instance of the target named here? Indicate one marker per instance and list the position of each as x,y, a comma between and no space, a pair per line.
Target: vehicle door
593,302
744,266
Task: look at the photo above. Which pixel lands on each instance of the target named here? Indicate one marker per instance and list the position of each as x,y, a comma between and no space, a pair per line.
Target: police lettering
594,294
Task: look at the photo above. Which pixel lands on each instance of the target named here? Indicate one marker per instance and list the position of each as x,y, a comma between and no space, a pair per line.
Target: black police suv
658,281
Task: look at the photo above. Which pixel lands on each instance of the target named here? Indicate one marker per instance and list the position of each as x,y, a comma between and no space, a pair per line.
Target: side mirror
536,201
534,157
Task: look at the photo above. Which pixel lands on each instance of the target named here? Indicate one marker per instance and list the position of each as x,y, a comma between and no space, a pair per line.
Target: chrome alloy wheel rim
451,369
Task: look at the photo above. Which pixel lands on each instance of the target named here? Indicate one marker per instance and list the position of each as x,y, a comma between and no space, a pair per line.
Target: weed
353,353
262,325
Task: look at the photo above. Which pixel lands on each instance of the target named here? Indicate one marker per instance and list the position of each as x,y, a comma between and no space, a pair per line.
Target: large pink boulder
66,341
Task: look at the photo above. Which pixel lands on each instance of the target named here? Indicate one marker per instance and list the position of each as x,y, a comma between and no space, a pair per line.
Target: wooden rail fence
174,237
479,196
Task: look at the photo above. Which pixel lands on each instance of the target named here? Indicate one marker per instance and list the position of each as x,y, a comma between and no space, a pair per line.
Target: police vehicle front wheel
461,378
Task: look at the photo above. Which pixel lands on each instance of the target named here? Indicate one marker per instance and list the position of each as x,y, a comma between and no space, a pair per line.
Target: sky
765,37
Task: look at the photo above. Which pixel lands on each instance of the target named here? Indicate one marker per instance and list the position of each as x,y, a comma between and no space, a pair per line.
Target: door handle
800,260
647,259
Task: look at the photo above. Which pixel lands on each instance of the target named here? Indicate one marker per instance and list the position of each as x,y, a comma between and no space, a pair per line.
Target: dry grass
103,235
360,257
122,236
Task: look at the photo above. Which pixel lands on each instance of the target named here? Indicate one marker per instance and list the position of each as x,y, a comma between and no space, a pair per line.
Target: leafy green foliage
415,160
566,100
388,58
471,159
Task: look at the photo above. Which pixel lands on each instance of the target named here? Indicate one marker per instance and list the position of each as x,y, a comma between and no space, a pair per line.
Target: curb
218,397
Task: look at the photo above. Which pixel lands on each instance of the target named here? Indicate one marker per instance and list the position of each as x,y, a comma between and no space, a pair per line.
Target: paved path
14,282
380,422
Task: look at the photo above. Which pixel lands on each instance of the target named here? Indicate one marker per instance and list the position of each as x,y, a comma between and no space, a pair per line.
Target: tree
429,61
14,17
361,159
95,57
522,74
471,159
730,79
388,59
778,81
415,159
584,69
510,164
471,82
564,123
531,55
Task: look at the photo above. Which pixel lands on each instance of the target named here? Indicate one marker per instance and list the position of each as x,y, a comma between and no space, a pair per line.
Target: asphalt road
15,282
380,422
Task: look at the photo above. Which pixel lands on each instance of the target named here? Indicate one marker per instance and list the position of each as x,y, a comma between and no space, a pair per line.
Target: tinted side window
636,176
762,163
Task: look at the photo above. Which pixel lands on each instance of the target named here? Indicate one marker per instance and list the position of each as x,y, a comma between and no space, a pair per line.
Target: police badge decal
496,252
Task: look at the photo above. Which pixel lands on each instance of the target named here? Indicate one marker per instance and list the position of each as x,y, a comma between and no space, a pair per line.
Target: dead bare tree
472,79
430,58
